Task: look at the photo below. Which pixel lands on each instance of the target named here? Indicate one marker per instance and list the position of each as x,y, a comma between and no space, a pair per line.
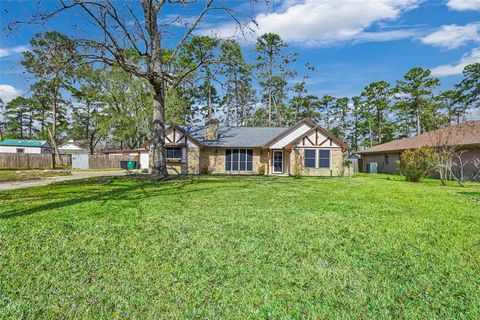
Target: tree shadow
471,195
135,192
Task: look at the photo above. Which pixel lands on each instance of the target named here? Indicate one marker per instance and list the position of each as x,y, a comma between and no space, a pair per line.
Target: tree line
180,77
75,100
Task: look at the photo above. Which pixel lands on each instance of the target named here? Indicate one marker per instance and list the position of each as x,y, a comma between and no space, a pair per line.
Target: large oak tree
137,37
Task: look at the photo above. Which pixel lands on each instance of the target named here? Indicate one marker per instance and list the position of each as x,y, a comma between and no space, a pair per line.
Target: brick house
464,136
249,150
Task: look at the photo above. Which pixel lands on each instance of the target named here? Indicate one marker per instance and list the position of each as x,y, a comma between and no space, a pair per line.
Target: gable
291,135
315,138
175,135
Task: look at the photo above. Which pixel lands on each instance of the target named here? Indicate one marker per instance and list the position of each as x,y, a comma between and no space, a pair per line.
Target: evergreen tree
415,92
341,111
239,95
469,88
377,95
273,73
51,61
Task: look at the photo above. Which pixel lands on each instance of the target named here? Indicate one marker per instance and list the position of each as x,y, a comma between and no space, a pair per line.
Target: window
174,153
20,150
310,158
238,160
324,159
386,158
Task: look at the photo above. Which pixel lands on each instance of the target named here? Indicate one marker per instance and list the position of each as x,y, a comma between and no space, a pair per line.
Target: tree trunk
159,165
210,111
270,94
155,78
379,125
21,125
53,132
417,121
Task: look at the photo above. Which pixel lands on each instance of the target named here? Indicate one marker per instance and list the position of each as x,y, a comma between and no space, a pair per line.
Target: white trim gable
316,139
292,136
175,136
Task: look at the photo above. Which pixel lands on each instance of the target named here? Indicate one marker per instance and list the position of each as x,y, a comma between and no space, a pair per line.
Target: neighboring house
465,136
245,150
25,146
72,147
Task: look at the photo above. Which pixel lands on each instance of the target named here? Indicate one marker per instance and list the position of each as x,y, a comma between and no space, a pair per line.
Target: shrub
345,165
204,169
298,165
416,164
262,169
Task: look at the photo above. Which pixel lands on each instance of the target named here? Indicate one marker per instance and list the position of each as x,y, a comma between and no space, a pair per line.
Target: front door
277,161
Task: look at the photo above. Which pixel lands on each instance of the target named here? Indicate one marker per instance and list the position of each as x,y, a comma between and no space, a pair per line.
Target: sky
349,42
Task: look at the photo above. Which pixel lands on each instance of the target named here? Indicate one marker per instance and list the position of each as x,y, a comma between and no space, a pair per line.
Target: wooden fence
108,161
32,161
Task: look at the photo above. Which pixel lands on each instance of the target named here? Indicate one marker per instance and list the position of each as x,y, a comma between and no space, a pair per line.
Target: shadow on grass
133,192
473,195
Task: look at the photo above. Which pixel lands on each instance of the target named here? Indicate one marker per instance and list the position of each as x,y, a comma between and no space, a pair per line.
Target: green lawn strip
232,247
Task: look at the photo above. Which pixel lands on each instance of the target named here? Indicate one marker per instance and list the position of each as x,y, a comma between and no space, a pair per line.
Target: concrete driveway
11,185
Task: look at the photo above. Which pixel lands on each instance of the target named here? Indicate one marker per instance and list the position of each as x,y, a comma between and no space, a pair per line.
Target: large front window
238,160
174,153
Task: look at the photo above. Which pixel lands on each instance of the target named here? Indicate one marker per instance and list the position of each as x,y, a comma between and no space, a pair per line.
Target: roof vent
211,130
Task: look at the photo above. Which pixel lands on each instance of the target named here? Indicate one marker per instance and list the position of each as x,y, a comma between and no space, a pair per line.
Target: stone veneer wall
336,163
193,160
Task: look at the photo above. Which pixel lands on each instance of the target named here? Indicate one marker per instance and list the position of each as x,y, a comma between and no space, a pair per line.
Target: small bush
262,169
346,163
416,164
298,165
204,169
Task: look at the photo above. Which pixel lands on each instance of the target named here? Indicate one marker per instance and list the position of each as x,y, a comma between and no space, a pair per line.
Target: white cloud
453,36
457,68
8,92
5,52
462,5
322,22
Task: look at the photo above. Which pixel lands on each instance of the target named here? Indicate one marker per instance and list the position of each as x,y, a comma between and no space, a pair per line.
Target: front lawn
240,247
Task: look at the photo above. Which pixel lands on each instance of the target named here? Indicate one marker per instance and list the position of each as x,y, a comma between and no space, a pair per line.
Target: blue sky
350,42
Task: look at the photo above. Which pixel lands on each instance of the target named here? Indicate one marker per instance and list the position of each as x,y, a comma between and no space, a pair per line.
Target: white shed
25,146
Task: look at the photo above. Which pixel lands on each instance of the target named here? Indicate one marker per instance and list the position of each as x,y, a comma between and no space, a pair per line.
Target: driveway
11,185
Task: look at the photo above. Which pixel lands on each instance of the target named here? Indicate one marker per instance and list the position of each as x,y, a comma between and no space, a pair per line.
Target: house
72,147
25,146
250,150
465,136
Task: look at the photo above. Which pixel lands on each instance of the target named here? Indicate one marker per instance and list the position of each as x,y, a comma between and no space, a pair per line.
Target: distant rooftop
463,134
23,143
247,137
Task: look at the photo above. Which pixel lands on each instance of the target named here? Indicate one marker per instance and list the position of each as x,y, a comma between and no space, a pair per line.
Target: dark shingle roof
466,133
23,143
236,136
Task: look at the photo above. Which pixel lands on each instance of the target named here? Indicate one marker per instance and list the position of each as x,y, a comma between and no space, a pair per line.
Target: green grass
241,247
24,175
